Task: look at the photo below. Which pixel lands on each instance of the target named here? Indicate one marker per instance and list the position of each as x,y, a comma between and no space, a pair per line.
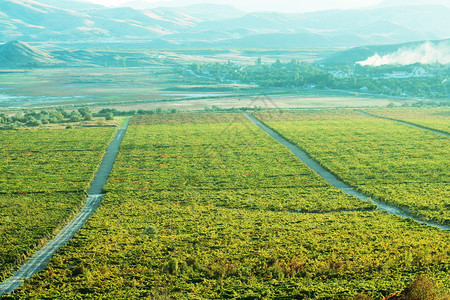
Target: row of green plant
156,236
227,160
188,118
44,176
436,118
50,160
134,248
28,220
404,166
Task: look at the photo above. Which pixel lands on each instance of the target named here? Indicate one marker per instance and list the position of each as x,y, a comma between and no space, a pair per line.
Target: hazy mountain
211,25
19,54
390,3
430,21
140,18
204,12
32,21
76,5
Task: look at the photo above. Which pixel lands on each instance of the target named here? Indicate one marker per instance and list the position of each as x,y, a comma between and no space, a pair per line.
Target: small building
339,74
419,72
399,74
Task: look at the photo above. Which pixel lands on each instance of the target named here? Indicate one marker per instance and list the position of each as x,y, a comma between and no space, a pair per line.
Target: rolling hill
19,54
360,54
216,26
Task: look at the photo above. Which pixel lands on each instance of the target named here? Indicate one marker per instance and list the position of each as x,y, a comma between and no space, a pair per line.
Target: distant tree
56,115
196,68
84,111
63,112
88,117
33,122
390,105
109,116
45,119
75,116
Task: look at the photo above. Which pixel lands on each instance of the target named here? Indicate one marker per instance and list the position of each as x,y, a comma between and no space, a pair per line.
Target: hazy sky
272,5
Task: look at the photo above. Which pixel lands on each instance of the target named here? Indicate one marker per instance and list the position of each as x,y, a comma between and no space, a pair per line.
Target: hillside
19,54
214,25
437,49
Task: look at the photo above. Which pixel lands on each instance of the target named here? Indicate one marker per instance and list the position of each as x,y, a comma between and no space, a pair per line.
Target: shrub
150,230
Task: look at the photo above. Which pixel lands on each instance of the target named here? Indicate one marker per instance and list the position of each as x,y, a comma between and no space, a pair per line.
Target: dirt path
40,259
332,179
404,123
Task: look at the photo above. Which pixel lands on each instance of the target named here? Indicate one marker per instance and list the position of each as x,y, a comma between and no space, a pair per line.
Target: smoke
426,53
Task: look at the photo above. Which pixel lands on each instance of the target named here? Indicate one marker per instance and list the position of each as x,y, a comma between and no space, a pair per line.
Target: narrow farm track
40,259
332,179
404,123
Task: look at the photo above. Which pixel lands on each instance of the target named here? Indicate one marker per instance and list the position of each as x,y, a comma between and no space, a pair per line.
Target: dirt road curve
332,179
40,259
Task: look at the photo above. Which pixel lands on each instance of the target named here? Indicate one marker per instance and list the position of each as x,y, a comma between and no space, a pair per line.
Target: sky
258,5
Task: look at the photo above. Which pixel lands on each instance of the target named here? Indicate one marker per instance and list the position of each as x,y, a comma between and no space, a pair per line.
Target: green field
207,206
163,85
45,176
435,118
404,166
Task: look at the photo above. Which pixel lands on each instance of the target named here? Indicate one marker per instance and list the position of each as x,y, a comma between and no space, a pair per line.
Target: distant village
413,81
417,72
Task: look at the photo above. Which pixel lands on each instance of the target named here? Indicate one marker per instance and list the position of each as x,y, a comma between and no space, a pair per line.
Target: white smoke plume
427,53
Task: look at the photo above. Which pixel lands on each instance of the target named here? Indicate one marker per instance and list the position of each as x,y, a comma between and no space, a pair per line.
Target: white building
338,74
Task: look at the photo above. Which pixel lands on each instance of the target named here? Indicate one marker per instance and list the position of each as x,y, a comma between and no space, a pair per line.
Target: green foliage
50,160
354,78
150,230
436,118
88,117
109,116
220,192
422,288
219,157
404,166
28,220
75,116
208,251
31,118
44,178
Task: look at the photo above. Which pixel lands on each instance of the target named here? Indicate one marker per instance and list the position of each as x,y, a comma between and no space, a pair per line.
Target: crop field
44,177
436,118
158,86
160,83
207,206
50,160
404,166
227,160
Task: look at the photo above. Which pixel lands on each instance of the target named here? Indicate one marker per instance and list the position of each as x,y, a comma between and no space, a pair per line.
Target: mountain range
217,26
17,54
